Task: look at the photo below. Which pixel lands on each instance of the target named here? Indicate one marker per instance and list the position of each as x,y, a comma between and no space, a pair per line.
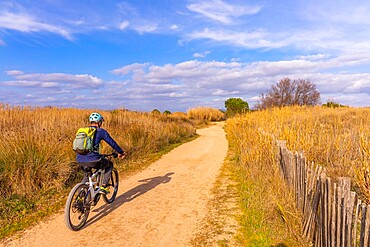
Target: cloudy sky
178,54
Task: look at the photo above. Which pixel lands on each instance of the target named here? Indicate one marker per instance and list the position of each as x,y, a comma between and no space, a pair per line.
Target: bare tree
290,92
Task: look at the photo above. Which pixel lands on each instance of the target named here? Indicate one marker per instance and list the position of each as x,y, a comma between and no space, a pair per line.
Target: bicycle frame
98,174
77,209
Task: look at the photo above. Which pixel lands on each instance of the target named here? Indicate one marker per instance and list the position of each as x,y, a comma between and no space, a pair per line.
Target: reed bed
202,113
337,139
269,215
36,149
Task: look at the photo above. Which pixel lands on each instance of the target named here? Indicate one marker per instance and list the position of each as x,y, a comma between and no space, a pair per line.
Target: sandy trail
161,206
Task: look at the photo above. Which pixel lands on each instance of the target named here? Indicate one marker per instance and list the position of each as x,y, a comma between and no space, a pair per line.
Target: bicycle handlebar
114,155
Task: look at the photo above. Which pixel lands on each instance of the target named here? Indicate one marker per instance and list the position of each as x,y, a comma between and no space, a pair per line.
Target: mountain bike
84,196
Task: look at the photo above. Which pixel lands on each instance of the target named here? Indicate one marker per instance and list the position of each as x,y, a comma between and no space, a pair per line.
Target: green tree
332,104
167,112
156,112
236,106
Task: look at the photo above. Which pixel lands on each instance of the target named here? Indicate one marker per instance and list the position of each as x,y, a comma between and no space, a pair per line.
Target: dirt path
161,206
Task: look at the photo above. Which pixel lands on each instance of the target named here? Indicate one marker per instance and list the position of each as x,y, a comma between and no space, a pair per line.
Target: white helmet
96,117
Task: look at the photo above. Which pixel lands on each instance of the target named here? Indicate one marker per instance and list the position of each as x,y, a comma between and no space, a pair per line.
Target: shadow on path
149,184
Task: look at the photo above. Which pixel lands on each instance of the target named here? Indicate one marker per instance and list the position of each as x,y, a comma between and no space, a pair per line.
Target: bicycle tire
77,207
113,187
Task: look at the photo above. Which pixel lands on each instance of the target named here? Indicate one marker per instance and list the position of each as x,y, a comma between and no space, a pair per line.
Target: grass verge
53,201
269,216
220,225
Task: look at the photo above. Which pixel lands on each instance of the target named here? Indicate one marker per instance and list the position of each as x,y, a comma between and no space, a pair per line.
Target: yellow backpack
84,140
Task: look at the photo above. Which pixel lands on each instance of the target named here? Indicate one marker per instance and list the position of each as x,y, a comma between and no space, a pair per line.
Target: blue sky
175,55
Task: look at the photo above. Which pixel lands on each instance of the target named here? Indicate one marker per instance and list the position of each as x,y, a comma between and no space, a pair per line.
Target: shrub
156,111
206,113
236,106
333,104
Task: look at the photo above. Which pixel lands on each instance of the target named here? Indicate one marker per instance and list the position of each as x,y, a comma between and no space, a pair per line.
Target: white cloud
49,84
252,40
226,93
220,11
26,23
145,28
198,55
14,72
79,97
314,57
135,67
355,12
22,83
52,80
2,43
47,99
123,25
190,71
195,80
201,55
174,27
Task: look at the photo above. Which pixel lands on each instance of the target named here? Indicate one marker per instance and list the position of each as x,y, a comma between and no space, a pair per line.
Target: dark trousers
103,163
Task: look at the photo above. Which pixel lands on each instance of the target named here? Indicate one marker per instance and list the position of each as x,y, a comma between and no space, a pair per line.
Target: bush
156,111
236,106
332,104
206,113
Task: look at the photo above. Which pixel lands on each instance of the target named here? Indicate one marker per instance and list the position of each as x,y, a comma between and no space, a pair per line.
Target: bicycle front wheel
77,207
113,187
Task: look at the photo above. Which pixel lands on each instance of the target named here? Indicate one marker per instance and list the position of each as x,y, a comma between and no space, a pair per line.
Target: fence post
330,212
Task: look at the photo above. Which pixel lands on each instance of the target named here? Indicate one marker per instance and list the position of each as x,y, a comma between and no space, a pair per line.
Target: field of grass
206,114
269,216
337,139
36,154
37,169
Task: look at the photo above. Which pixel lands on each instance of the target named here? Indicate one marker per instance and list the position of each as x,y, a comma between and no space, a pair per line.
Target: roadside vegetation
204,115
268,213
37,166
221,225
335,138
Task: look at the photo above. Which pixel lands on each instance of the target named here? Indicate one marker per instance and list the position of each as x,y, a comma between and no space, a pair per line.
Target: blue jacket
101,134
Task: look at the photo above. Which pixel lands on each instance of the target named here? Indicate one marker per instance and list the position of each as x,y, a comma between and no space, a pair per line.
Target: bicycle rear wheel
77,207
113,187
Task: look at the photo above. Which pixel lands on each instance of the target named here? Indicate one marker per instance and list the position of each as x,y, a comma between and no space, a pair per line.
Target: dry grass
206,114
269,215
337,139
36,149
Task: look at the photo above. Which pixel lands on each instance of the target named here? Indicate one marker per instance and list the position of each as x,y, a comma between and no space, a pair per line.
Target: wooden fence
333,215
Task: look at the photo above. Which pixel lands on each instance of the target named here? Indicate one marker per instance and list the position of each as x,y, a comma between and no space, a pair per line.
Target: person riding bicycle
94,159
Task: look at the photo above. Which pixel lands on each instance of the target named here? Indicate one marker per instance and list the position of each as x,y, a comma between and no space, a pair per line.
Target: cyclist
94,159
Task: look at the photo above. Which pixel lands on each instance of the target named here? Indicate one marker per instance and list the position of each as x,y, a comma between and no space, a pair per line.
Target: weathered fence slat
355,220
332,215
